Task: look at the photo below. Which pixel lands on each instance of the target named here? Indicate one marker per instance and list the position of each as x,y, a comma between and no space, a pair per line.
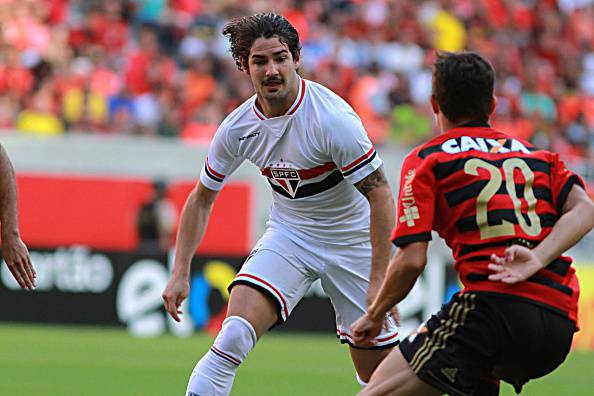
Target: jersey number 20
505,228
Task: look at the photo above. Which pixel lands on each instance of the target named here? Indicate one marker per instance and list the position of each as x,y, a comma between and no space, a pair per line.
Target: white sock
215,372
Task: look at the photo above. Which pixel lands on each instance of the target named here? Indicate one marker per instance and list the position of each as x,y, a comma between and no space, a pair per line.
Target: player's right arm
14,251
221,162
194,219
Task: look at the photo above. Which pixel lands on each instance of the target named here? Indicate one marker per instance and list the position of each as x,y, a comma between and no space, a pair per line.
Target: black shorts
477,339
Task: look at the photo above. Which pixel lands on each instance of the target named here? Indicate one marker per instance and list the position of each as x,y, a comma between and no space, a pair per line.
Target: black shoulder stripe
361,165
497,216
562,197
448,168
456,197
427,151
405,240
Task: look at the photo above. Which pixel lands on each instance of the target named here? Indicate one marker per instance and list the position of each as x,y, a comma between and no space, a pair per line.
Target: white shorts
284,268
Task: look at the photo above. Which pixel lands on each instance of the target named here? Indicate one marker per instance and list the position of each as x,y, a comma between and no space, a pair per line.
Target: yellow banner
584,339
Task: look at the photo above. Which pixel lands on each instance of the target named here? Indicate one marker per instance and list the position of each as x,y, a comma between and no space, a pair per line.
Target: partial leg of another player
250,314
366,361
394,377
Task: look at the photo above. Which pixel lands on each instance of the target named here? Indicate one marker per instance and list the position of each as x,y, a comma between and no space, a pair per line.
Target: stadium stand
162,68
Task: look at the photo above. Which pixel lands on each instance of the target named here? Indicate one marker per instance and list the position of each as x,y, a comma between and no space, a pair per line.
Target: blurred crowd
162,67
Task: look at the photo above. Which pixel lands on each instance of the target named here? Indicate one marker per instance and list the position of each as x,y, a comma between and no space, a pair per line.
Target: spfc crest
287,178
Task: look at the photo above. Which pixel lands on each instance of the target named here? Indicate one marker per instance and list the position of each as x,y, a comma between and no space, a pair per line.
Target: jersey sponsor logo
287,178
251,135
410,209
486,145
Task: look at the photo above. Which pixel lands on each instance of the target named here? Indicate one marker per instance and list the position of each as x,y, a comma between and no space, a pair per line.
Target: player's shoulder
240,119
478,140
331,112
326,100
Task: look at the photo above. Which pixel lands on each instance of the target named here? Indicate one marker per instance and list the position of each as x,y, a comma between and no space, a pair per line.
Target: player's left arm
403,271
376,189
520,263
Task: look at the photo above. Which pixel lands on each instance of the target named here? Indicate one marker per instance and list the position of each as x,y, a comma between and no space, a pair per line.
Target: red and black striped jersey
482,191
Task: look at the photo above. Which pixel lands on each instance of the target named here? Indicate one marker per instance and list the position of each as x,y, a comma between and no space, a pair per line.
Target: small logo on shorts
450,373
288,179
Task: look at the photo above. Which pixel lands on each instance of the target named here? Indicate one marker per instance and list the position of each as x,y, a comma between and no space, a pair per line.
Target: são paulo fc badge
287,178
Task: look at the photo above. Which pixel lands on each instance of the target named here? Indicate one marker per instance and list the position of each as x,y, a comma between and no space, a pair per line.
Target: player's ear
297,61
493,105
434,104
244,65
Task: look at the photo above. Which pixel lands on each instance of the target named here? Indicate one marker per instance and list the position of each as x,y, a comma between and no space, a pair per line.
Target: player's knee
235,340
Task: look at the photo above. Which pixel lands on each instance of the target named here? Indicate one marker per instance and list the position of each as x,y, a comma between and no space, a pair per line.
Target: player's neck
446,125
278,107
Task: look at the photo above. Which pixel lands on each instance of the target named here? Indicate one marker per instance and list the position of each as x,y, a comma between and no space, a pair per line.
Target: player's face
272,69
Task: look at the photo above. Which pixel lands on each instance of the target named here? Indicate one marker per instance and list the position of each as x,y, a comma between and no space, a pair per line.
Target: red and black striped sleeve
416,202
562,180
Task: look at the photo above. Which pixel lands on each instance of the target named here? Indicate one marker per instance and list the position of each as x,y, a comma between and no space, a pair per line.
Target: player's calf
215,372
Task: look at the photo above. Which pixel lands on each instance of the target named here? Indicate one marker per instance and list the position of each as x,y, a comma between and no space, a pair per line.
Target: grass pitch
86,361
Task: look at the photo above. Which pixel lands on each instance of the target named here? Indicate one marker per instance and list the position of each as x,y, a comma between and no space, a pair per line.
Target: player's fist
364,330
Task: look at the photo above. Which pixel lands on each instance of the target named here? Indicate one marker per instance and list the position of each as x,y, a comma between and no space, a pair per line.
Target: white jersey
311,157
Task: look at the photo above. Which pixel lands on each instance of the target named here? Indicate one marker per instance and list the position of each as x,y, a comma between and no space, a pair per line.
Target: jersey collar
294,106
474,124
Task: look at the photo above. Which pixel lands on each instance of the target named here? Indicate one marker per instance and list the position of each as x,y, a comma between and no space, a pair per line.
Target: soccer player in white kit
312,148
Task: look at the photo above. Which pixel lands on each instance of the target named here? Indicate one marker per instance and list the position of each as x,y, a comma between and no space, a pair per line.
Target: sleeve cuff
406,239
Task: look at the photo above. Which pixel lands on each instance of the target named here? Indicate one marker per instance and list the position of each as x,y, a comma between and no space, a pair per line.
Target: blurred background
107,109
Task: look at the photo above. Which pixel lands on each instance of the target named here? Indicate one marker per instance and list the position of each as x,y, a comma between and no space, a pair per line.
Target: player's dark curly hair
242,32
463,86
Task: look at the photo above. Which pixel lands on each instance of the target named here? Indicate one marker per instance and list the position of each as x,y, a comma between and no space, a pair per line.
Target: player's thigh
395,377
535,341
454,350
253,305
345,280
367,360
274,270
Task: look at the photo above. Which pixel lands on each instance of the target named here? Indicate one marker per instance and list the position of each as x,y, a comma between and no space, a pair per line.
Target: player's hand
364,330
518,264
18,261
176,291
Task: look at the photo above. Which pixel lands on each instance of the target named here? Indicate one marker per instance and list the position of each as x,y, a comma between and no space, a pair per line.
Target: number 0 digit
505,228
